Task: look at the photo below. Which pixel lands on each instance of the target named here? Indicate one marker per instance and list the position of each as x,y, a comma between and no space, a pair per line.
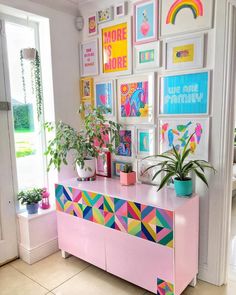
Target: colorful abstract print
164,288
125,146
145,222
134,99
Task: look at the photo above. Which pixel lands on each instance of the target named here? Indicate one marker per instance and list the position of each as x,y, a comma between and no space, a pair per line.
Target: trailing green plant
23,74
30,196
127,168
38,84
36,81
174,164
81,143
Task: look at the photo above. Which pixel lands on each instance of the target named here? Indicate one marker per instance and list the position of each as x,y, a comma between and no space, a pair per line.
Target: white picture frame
105,15
176,131
121,9
184,53
178,18
197,88
125,56
147,57
145,141
107,88
136,105
92,25
89,58
122,151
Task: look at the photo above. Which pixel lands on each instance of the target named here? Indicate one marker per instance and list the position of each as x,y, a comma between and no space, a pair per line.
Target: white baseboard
35,254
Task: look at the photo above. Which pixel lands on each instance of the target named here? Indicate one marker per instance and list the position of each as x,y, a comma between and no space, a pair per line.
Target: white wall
65,61
208,264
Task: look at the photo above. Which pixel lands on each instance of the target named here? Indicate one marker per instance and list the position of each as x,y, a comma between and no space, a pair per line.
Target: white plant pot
88,170
29,53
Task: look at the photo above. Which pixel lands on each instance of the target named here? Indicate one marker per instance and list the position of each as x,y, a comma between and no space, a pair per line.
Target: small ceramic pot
32,208
127,178
88,170
183,188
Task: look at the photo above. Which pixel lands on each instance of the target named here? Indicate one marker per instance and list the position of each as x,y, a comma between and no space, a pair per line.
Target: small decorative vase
183,188
88,170
32,208
29,53
127,178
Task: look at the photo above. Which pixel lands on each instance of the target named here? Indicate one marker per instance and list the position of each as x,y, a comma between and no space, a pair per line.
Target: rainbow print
195,5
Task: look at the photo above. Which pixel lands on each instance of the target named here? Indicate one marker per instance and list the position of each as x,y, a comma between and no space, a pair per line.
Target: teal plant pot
183,188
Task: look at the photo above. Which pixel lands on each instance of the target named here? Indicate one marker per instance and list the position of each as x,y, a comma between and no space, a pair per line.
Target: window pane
27,134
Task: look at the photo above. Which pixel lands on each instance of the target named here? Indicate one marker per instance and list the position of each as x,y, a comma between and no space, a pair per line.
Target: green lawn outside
24,130
24,143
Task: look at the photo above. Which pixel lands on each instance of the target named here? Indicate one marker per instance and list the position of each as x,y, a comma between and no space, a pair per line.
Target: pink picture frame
145,21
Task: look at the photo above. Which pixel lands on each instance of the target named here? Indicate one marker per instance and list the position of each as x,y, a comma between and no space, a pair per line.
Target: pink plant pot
127,178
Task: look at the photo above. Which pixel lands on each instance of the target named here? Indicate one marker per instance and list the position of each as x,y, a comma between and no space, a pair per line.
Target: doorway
23,164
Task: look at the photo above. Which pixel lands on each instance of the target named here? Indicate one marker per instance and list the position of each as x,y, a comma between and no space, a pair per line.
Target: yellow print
183,54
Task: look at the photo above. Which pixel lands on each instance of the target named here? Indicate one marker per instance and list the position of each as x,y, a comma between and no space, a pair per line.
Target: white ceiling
69,6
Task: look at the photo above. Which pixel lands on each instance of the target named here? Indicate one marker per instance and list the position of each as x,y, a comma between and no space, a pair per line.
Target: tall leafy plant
82,143
176,164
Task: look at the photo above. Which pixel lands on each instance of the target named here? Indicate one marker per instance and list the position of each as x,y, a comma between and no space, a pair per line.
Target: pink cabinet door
81,238
138,261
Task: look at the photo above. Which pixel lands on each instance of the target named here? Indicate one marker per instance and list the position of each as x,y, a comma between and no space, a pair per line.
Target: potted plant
82,143
127,175
31,198
175,165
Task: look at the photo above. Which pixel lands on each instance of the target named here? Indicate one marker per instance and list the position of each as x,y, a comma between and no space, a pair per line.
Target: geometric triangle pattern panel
60,197
139,220
164,236
164,288
148,231
165,218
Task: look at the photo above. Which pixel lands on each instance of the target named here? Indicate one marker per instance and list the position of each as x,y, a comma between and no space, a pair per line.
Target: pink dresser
144,237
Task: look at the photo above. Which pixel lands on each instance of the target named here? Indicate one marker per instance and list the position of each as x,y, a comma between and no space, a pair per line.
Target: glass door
22,140
8,240
28,132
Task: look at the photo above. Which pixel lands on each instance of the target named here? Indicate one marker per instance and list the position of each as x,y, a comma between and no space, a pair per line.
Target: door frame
228,123
220,201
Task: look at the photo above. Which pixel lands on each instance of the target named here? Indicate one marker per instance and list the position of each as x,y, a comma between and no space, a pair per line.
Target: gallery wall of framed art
153,73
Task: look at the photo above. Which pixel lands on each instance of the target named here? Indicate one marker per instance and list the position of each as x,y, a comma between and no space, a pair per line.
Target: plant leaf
201,176
165,180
